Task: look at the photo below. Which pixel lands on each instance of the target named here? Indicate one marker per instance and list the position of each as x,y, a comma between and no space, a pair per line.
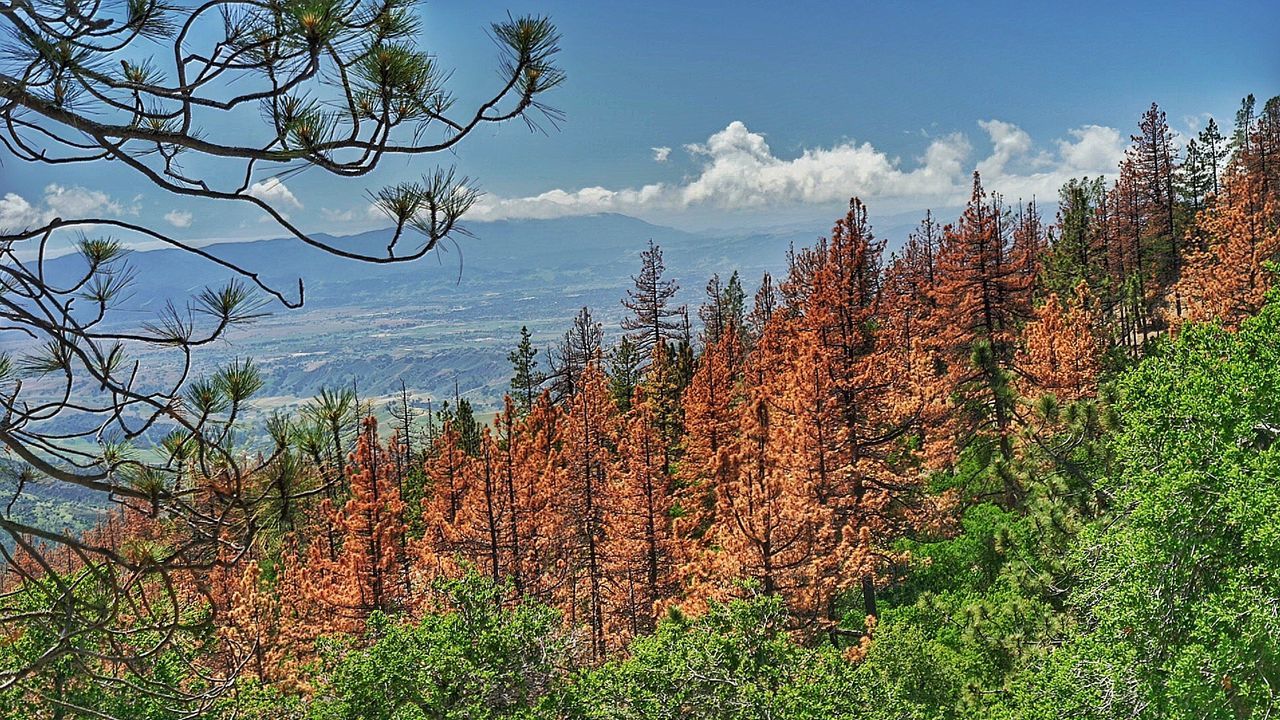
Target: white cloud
1196,123
273,191
74,202
179,218
740,171
338,216
1009,142
558,203
17,213
1097,150
60,201
660,154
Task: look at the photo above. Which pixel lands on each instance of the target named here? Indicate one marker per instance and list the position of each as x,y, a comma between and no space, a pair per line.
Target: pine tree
835,331
302,613
1154,159
1228,281
1214,149
1133,288
1194,180
369,571
814,447
724,307
851,398
1030,244
509,456
1242,135
526,378
579,348
770,527
486,514
585,465
1074,255
1199,181
1256,143
405,415
909,284
469,428
545,530
912,339
665,384
708,407
856,394
683,358
653,320
449,473
983,292
624,372
734,301
249,626
762,308
1061,350
1268,146
638,545
333,412
1144,231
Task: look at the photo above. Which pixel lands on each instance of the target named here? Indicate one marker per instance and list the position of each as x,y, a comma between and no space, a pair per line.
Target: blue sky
775,115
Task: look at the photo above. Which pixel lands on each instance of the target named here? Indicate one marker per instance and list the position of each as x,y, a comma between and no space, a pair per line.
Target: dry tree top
168,92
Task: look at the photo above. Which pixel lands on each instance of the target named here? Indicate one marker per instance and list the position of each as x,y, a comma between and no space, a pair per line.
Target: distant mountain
576,247
451,316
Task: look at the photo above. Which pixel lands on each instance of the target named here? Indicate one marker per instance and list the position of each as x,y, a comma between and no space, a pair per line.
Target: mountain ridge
432,322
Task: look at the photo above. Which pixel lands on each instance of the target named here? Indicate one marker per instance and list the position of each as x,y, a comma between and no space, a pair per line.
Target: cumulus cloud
178,218
16,212
1196,123
1009,143
60,201
660,154
738,170
342,216
274,192
1096,150
71,202
559,203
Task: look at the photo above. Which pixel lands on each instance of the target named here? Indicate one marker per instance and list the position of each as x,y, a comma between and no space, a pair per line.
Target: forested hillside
1023,467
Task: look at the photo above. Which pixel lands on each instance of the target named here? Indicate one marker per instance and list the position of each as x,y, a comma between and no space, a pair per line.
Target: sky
741,114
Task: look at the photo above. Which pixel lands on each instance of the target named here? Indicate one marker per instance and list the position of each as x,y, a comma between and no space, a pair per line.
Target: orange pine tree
1228,280
370,570
507,452
484,520
585,464
302,615
908,285
910,326
1061,349
638,546
837,329
543,528
770,526
709,405
449,473
852,401
249,626
983,291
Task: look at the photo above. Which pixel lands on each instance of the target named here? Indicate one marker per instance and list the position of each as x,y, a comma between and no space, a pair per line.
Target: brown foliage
369,569
1061,351
1227,281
